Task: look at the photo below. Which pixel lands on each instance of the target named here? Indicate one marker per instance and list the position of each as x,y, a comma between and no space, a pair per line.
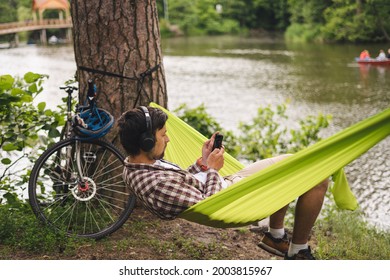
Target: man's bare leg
306,212
276,220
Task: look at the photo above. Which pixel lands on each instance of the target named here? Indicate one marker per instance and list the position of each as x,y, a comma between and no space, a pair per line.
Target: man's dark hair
133,123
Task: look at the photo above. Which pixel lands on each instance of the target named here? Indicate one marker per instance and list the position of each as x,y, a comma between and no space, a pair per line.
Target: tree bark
120,37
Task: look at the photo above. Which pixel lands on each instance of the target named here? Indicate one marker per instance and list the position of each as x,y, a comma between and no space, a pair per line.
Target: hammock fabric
258,196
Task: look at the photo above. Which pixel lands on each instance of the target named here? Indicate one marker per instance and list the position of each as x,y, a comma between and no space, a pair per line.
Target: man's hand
212,159
215,159
208,148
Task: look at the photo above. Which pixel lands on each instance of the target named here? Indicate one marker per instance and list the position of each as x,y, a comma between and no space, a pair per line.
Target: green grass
346,236
21,231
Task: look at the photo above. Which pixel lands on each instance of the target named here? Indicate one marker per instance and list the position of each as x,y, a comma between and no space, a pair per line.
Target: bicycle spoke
113,205
99,164
66,211
103,197
118,177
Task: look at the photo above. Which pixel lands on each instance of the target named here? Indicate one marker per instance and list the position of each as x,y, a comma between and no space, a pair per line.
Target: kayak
373,61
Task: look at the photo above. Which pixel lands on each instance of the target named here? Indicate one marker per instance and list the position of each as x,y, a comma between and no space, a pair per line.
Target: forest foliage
356,21
300,20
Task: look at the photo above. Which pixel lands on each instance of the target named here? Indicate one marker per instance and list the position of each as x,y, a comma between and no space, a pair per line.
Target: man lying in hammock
167,190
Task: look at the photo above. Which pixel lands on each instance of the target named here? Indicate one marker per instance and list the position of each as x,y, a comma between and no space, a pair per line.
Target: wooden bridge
15,27
31,25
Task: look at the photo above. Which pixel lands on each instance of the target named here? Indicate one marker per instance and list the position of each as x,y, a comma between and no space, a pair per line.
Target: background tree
269,15
307,18
8,14
120,37
355,25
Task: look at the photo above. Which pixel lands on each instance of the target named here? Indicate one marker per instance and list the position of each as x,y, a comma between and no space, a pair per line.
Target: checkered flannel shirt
168,192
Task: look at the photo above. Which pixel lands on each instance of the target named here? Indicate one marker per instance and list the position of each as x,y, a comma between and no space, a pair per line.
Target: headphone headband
147,117
147,140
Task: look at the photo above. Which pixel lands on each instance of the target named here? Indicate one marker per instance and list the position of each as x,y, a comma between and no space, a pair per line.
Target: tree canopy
300,20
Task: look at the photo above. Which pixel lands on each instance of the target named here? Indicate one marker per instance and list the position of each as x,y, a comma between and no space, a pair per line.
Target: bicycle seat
93,123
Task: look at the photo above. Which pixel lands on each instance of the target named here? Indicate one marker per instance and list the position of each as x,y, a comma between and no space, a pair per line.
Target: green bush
203,122
268,134
265,136
26,129
303,33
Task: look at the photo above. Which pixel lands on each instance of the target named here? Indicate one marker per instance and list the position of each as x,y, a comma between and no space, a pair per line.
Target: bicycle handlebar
69,89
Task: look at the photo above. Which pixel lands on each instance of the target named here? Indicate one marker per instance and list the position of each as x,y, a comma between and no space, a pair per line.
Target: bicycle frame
68,132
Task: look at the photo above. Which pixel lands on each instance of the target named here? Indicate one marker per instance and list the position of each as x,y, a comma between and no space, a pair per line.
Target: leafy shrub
265,136
26,129
203,122
303,33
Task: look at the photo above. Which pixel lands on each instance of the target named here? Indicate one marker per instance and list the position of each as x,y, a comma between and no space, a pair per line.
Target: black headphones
147,139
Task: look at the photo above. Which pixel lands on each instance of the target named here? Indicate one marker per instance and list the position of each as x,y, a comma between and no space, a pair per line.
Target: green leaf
49,112
6,82
53,133
9,147
11,198
46,127
33,88
27,98
6,98
6,161
41,106
31,77
17,92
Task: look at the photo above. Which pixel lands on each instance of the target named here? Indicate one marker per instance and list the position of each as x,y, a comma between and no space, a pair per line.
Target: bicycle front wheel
76,186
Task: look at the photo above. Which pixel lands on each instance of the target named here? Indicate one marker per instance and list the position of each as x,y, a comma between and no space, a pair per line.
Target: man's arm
171,197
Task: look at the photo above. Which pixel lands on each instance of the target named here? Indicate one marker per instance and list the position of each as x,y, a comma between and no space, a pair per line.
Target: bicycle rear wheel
93,204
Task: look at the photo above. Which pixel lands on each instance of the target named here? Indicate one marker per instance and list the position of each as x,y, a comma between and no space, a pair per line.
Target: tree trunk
120,37
358,7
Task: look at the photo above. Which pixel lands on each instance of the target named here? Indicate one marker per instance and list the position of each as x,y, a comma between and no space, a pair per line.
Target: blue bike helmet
93,123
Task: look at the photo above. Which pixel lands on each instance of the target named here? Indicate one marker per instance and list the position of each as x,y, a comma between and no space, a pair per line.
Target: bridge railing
28,25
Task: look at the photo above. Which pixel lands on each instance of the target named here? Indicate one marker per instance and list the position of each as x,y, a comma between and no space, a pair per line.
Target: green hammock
258,196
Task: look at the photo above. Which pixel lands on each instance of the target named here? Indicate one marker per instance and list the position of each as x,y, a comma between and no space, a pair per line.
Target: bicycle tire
93,208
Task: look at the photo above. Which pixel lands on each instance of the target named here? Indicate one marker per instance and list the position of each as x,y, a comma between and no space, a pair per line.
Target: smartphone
218,141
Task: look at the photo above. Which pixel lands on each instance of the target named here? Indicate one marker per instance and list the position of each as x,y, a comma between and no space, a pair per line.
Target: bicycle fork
85,188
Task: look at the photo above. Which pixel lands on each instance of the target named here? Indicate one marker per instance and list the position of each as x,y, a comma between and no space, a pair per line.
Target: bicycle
76,185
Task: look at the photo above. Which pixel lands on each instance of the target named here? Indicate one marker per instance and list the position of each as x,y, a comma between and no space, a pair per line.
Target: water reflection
234,76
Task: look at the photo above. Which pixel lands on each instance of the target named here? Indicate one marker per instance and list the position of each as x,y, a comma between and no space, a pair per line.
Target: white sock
276,232
295,248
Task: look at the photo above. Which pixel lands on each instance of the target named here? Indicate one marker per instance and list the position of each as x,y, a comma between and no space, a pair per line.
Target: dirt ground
145,237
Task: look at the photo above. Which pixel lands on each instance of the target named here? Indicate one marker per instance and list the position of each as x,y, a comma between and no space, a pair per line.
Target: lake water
234,76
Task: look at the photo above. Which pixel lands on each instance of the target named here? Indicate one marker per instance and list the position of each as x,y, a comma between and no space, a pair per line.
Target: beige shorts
253,168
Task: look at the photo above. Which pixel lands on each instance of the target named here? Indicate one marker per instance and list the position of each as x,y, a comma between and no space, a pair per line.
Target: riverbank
341,236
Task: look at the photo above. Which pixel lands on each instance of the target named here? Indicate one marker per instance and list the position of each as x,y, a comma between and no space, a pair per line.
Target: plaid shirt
168,192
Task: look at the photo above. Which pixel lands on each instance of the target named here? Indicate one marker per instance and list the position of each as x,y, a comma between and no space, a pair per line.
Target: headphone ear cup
147,142
147,139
